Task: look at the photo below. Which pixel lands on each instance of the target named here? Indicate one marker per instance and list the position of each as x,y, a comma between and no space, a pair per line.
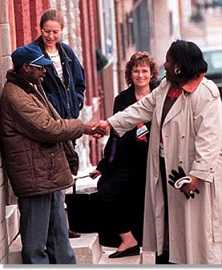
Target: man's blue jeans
44,231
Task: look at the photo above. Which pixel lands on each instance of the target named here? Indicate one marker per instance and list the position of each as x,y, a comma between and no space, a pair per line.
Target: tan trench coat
192,138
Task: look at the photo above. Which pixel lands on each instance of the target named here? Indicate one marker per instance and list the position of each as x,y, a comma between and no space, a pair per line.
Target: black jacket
125,153
67,97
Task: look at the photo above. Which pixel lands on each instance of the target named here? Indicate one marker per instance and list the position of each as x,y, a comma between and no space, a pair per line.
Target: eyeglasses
48,32
37,66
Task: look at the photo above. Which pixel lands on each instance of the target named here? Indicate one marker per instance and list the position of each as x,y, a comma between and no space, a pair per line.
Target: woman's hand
101,128
191,188
94,129
94,174
186,184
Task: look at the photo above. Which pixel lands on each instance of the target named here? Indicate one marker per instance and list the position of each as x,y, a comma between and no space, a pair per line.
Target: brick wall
36,8
89,29
27,17
23,22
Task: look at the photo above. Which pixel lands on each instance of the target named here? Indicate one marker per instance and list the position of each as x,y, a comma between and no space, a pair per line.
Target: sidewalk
87,249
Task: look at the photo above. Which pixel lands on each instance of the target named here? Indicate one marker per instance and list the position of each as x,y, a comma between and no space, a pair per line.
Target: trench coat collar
192,85
188,88
175,109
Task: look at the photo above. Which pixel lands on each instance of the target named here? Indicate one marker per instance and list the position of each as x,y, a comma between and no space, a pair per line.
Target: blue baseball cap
30,54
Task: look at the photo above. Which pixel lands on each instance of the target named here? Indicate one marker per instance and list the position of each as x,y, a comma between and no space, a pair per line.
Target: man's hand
94,130
102,127
186,184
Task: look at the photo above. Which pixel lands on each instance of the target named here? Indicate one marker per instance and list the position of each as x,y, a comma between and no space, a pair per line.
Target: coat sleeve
207,114
138,112
32,119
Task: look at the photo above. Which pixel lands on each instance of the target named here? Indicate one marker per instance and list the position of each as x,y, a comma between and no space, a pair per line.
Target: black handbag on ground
83,212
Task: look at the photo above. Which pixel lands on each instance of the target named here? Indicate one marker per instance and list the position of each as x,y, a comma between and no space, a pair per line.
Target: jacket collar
16,79
59,46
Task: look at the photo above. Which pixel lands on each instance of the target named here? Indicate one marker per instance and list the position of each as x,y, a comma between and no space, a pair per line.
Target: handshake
97,130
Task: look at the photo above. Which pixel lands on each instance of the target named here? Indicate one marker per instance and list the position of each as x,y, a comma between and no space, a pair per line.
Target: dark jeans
43,230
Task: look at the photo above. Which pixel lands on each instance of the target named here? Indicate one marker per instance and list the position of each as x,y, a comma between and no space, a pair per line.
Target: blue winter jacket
67,97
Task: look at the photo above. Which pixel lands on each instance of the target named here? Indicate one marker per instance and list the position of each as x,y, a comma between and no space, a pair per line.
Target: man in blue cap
33,138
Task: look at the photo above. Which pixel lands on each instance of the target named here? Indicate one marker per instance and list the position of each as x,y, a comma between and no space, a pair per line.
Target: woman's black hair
188,57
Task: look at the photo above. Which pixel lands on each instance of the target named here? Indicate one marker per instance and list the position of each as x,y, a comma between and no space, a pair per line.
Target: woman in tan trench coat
186,114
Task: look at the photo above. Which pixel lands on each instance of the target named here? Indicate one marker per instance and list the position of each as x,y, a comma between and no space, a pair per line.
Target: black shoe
73,234
132,251
163,258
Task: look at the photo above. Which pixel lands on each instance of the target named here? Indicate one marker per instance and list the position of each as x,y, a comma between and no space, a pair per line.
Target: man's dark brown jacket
32,140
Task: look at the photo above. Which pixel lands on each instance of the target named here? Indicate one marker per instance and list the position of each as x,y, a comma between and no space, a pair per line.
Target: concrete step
12,221
14,256
148,257
87,248
130,260
88,252
3,250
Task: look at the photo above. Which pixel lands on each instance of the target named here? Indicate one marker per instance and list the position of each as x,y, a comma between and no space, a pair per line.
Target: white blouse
57,63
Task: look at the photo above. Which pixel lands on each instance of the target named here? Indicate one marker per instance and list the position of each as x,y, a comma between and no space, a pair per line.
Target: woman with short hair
121,187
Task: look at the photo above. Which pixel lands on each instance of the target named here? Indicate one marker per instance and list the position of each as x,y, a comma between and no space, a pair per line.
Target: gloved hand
179,179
